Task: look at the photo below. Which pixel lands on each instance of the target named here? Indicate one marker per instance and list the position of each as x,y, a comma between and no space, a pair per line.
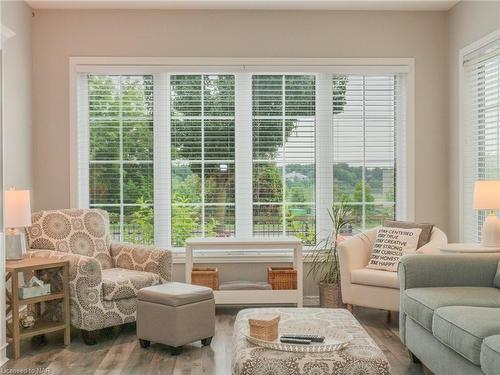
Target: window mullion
202,156
243,155
283,171
122,211
83,146
162,160
324,153
363,169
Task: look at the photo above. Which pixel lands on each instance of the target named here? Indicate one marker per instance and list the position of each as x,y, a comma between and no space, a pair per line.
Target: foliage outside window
364,130
283,109
202,141
121,153
202,117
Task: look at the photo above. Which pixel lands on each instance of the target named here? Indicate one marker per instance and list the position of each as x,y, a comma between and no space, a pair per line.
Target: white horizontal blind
202,144
481,132
120,153
183,152
283,122
365,119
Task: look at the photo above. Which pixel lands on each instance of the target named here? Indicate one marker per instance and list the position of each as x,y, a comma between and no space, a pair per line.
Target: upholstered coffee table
361,356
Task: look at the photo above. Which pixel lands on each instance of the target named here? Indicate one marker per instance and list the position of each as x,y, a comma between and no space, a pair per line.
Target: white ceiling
245,4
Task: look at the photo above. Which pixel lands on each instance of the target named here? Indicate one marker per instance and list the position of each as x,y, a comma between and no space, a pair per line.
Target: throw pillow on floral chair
105,276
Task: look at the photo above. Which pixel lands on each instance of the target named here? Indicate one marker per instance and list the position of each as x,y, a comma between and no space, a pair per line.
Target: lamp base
15,245
491,231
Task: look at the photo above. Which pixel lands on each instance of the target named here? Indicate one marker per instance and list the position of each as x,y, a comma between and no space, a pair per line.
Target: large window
283,124
481,129
364,130
173,155
202,138
120,169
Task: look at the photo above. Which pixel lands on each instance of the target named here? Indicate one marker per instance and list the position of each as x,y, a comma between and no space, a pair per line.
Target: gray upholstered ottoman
175,314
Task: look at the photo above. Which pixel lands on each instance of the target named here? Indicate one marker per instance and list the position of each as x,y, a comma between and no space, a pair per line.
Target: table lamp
17,217
487,197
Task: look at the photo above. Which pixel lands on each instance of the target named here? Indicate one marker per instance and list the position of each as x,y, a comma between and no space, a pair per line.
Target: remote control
313,338
286,340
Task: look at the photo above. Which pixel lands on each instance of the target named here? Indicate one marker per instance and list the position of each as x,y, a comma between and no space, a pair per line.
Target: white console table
251,297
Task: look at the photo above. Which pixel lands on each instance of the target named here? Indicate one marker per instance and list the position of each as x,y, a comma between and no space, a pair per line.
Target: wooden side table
14,330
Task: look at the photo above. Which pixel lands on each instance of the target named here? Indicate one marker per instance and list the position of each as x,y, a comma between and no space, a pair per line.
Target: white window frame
462,100
324,68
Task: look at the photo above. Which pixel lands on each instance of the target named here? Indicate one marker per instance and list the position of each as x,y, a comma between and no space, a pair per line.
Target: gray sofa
450,312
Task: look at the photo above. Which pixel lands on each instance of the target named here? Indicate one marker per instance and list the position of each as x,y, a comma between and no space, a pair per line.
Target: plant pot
330,295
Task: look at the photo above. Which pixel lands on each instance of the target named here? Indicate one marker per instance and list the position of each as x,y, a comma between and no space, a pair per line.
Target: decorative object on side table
27,320
17,216
487,197
324,259
19,327
34,288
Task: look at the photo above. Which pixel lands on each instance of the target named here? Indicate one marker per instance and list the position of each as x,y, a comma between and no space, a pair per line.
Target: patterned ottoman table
361,356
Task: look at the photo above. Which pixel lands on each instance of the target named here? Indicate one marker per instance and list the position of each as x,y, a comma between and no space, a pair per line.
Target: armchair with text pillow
371,280
105,276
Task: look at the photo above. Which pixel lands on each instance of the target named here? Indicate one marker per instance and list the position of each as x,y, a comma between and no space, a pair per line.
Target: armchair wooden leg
144,343
349,307
389,316
89,337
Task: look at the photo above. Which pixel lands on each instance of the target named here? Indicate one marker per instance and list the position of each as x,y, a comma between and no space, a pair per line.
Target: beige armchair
368,287
104,276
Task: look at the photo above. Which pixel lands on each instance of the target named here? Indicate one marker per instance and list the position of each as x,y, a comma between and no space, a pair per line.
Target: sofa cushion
118,283
420,303
175,294
425,235
390,245
490,355
463,328
367,276
74,231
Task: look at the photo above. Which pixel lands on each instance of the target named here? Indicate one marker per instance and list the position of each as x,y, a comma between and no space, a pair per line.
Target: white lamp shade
486,195
17,208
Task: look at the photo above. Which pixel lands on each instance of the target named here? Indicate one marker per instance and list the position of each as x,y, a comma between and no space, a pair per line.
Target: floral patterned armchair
104,276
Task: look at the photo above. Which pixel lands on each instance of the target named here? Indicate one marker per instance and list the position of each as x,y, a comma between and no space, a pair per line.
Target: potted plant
324,259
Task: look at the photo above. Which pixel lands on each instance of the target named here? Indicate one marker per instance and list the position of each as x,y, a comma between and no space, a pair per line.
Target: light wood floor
118,351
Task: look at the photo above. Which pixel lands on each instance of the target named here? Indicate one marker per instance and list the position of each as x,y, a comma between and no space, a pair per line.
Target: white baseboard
3,354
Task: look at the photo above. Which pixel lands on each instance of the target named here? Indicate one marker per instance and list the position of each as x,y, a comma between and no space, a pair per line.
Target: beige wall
57,35
17,115
468,22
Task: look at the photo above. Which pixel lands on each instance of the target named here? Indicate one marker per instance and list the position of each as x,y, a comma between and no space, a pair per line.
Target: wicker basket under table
205,276
282,278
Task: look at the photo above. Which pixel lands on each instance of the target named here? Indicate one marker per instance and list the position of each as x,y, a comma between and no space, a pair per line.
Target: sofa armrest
438,239
355,252
79,265
425,270
85,287
143,258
